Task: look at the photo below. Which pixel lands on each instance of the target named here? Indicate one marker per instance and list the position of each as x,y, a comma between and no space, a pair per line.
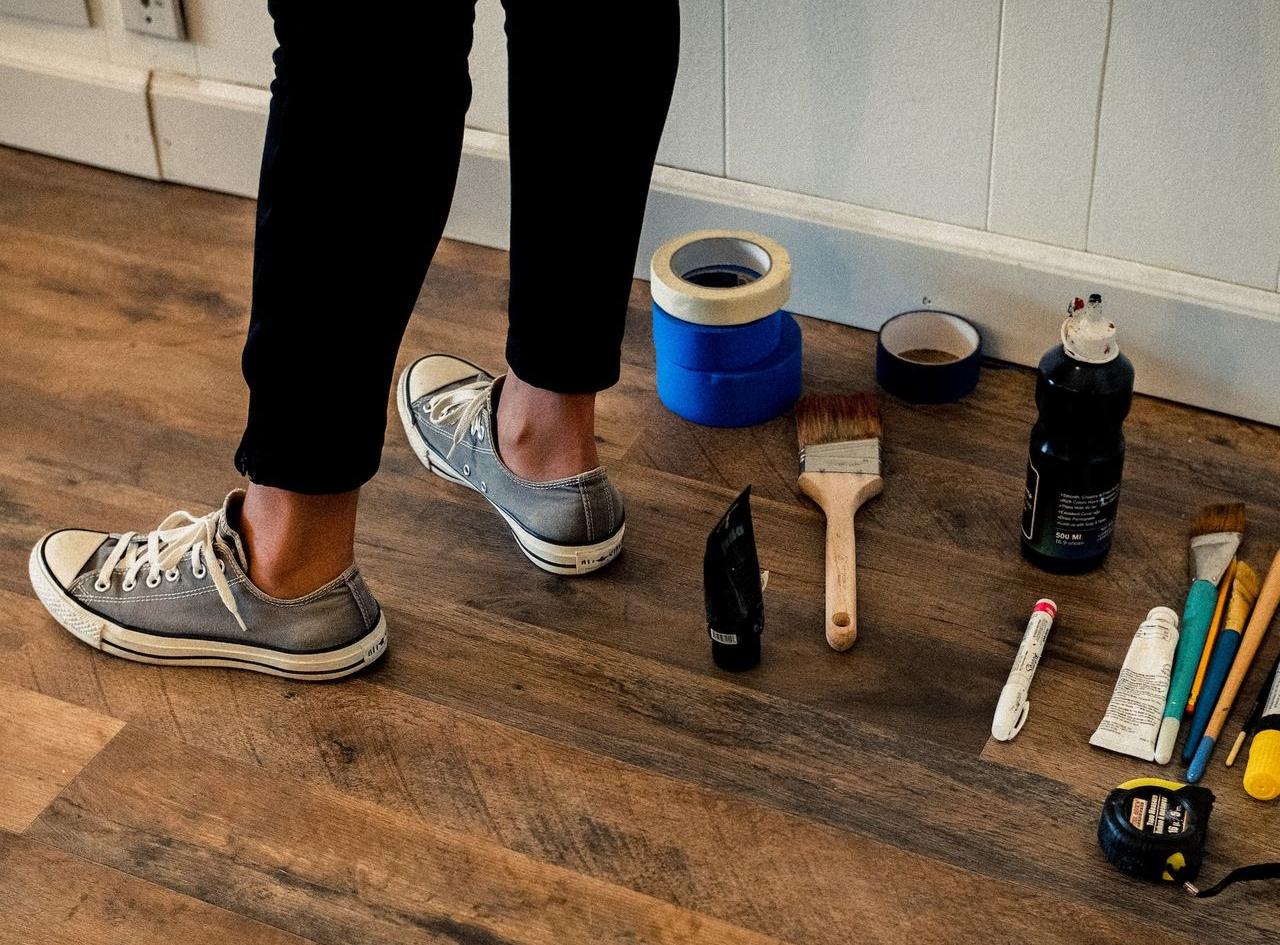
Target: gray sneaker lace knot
179,534
466,407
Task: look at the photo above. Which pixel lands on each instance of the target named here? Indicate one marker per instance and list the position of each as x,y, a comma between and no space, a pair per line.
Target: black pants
361,156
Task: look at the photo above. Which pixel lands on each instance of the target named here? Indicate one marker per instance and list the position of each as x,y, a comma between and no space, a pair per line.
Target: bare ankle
543,435
296,543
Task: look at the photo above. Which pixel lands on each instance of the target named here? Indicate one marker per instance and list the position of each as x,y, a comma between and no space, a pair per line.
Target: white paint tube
1132,720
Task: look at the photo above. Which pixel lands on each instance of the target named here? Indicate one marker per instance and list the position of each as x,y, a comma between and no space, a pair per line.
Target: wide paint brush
839,436
1215,538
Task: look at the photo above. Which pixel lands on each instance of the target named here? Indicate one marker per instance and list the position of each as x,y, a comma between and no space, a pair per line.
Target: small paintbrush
1255,714
1215,539
839,437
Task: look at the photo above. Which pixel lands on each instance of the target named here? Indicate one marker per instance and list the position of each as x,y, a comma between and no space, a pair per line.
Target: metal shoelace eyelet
483,487
466,469
151,583
171,575
101,586
128,585
198,574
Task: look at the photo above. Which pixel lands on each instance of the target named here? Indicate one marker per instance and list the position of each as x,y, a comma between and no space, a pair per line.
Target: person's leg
361,156
579,181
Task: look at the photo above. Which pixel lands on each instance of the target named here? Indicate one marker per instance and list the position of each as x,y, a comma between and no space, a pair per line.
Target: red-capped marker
1012,709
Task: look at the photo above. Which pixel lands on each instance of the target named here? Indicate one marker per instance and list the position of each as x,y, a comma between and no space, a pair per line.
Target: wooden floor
550,761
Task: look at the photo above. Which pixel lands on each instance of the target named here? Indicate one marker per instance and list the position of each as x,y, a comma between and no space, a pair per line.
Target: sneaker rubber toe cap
435,371
66,552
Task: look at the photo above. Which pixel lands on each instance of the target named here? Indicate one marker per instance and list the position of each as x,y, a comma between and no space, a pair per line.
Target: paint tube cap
1262,777
1011,712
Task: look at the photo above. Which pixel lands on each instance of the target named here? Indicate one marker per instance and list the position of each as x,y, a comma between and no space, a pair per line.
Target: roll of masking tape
720,277
736,397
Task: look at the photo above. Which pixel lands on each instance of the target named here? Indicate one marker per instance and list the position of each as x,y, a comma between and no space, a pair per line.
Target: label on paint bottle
1031,501
1063,524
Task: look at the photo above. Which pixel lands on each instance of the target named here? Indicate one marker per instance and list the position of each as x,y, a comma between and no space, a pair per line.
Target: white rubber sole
101,634
570,560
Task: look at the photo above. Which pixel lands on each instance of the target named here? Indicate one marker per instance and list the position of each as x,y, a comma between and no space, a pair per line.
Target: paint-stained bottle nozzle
1087,334
734,586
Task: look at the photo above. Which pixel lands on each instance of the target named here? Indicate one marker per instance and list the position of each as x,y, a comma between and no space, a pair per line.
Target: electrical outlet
155,18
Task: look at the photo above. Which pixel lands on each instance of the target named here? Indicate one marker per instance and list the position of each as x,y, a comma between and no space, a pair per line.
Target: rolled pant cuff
297,474
586,374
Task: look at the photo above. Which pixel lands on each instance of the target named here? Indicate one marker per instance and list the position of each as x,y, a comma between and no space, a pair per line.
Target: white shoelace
464,406
178,535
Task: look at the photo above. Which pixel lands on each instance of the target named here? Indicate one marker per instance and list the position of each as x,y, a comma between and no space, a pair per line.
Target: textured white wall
1146,130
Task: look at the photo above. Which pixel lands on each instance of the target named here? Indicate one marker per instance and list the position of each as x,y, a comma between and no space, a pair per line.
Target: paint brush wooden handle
1263,611
840,495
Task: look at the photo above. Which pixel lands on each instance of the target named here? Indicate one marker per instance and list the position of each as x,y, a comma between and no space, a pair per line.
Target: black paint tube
732,581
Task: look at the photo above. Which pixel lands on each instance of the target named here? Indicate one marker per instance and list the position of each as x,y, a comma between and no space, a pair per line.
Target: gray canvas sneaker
179,596
567,526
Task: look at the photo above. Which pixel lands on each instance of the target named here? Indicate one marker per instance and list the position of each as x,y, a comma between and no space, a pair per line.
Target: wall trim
80,109
1193,339
209,134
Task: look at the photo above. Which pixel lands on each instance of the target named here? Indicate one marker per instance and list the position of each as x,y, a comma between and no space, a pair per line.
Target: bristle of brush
1246,584
1228,517
837,418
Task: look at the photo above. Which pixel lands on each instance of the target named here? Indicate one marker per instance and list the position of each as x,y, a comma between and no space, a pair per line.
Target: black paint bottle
1083,392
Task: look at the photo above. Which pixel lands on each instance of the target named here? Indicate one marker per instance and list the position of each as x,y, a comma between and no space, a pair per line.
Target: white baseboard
209,134
79,109
1194,340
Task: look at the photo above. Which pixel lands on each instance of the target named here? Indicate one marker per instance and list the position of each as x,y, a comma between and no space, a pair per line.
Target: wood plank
660,836
617,735
334,868
1066,709
53,898
43,745
817,764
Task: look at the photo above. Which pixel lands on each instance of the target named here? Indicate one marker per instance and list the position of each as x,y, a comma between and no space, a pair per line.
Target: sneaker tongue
227,532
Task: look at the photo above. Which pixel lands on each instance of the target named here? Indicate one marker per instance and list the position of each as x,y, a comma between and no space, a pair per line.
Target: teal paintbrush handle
1224,654
1196,617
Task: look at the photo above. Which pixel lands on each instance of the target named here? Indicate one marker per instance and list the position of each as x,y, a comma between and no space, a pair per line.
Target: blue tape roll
714,347
741,397
941,334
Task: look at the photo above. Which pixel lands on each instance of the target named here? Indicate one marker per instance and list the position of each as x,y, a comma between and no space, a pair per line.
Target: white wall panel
1051,54
887,105
233,40
145,52
63,12
1188,172
694,137
79,41
488,66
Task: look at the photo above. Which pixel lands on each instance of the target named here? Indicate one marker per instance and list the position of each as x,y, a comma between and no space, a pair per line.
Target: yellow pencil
1224,594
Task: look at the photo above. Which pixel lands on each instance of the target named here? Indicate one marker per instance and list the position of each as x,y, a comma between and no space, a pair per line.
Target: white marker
1011,711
